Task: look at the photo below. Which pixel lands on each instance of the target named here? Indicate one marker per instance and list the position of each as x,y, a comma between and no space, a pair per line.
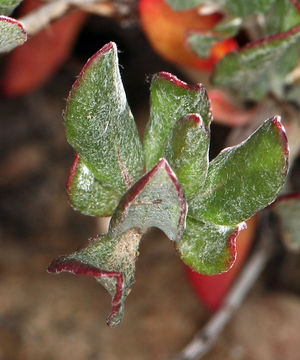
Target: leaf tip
276,121
174,80
232,244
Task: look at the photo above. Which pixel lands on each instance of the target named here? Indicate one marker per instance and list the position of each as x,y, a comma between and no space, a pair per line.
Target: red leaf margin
63,264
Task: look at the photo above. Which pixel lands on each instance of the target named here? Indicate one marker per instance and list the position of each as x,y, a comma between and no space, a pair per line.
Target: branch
38,19
208,335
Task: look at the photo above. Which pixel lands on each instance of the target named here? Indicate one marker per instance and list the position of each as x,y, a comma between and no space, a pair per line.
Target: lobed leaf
8,6
12,34
155,200
207,248
287,208
245,178
99,123
111,260
87,194
249,72
187,153
170,99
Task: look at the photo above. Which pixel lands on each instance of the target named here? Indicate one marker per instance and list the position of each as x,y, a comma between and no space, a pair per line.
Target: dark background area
49,317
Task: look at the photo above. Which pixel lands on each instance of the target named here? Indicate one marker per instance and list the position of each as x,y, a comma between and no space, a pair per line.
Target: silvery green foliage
198,205
8,6
12,34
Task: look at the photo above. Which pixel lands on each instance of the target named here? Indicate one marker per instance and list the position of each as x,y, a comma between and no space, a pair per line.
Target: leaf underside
155,200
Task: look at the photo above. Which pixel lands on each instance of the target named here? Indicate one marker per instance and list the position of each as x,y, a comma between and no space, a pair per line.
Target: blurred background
47,317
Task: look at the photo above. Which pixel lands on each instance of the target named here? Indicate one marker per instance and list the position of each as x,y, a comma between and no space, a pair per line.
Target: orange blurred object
30,65
166,30
211,290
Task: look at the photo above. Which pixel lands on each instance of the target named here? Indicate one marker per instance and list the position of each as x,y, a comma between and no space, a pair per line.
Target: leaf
287,208
155,200
282,16
236,7
245,178
171,99
246,8
8,6
87,194
249,72
12,34
184,4
99,123
111,260
31,65
202,42
207,248
187,153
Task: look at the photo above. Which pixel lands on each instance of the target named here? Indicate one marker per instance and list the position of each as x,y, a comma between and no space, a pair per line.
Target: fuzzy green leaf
8,6
246,8
87,194
156,200
111,260
171,99
245,178
287,208
184,4
282,16
99,123
207,248
242,8
201,42
12,34
250,72
187,153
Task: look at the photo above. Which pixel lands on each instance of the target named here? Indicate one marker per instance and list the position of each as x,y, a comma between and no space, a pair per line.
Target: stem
208,335
38,19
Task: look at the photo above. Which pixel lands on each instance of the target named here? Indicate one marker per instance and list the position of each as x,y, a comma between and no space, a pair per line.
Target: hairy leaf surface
252,71
208,248
187,153
12,34
99,123
8,6
87,194
171,99
245,178
155,200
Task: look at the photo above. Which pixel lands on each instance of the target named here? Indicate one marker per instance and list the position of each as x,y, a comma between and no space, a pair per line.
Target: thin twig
208,335
39,18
